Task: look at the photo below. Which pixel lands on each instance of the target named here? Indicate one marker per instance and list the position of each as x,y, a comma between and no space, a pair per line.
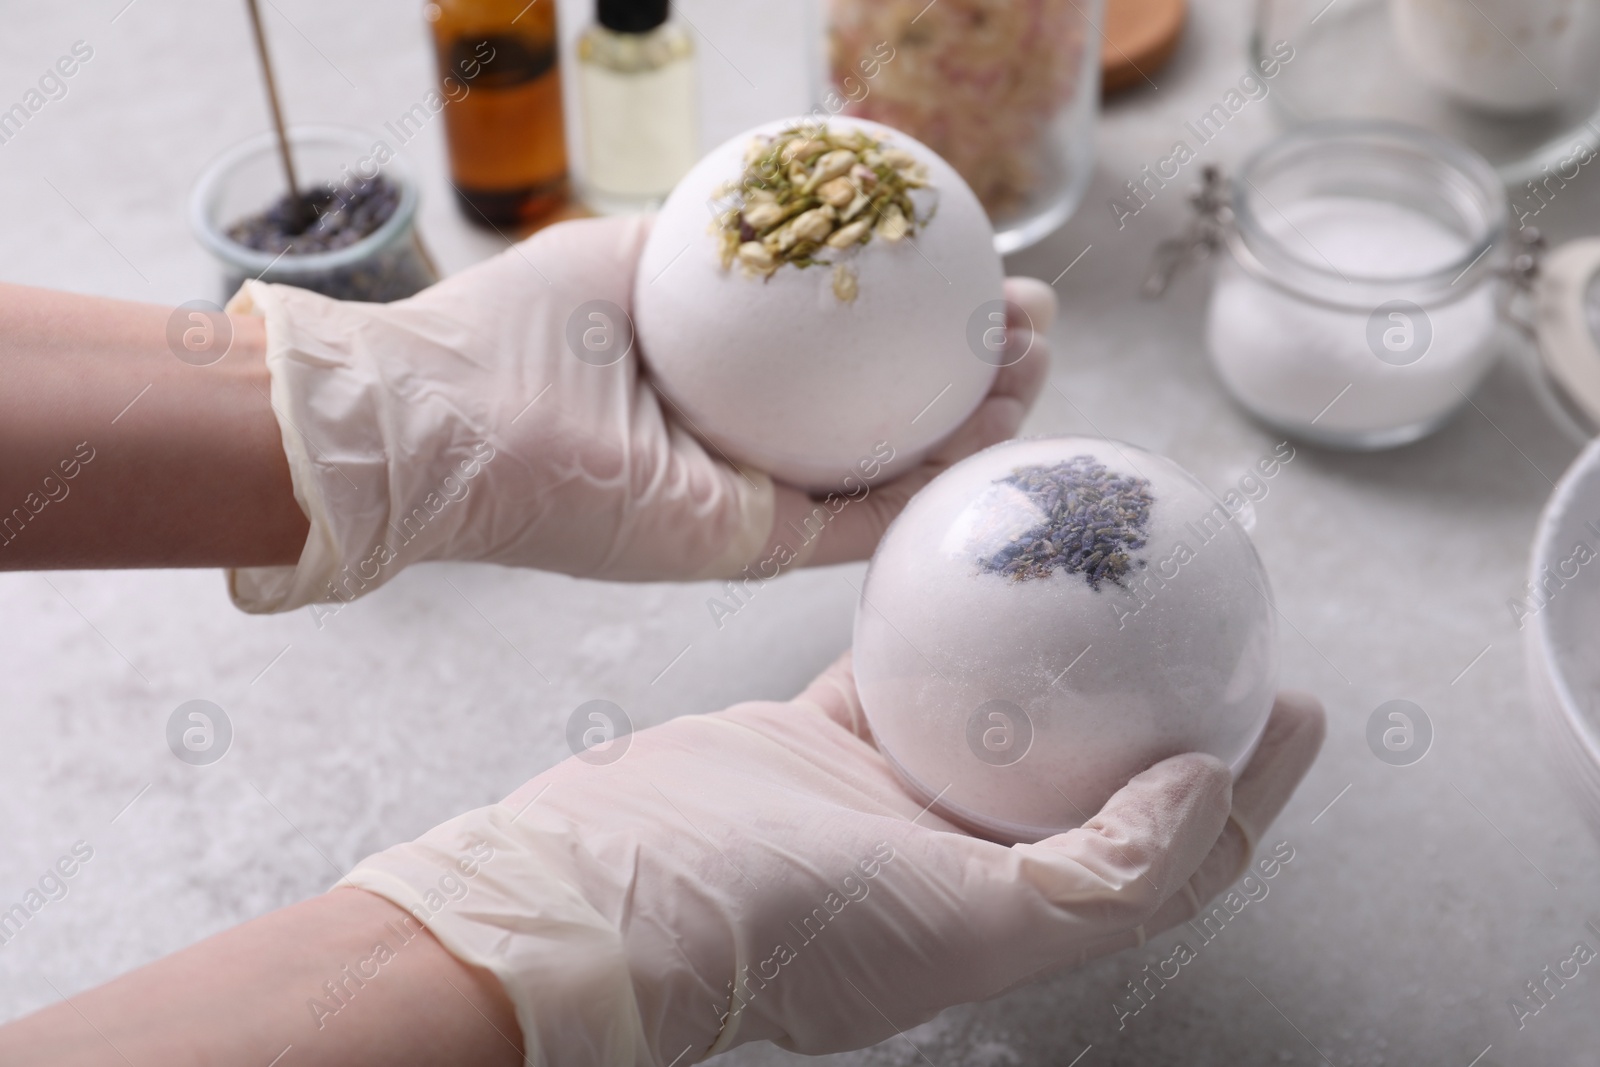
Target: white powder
1287,359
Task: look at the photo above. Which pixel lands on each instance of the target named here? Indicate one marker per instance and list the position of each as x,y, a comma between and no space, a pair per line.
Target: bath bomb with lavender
813,291
1050,617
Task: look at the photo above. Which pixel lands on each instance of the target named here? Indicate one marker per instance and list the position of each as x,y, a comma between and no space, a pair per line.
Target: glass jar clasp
1521,272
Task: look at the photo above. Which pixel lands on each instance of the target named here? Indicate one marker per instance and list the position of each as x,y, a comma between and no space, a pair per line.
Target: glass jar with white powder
1360,302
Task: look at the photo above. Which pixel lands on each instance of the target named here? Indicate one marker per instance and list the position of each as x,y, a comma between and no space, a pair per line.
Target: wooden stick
277,113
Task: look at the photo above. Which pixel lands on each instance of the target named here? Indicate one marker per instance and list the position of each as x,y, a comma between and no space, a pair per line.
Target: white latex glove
458,424
759,874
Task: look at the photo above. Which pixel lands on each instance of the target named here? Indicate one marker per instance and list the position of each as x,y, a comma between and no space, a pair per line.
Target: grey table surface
1414,908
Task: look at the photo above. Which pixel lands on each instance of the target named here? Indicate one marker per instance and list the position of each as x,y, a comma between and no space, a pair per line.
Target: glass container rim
1432,287
209,185
1540,638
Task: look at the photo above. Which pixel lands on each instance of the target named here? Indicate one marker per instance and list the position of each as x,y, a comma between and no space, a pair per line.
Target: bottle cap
631,16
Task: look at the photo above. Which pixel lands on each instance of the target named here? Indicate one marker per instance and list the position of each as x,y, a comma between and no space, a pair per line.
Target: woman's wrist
122,447
343,978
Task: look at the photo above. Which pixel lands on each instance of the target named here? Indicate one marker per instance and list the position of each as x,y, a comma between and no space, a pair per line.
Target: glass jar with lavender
352,234
1007,93
1363,294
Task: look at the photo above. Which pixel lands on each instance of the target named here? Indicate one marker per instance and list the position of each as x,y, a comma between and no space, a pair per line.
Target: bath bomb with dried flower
1048,618
805,297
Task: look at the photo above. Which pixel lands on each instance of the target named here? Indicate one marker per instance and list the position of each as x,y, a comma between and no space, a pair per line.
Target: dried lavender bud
338,218
1093,521
330,218
394,272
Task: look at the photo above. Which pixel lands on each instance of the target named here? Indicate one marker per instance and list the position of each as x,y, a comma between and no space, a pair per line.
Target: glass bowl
1517,81
387,264
1559,616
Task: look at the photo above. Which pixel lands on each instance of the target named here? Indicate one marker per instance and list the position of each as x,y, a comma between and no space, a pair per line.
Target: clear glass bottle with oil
637,80
500,71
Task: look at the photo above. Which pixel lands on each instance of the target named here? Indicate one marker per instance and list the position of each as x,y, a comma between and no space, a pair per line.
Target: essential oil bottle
500,91
636,77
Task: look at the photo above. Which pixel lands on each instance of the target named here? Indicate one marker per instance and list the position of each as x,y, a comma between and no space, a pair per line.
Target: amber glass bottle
499,68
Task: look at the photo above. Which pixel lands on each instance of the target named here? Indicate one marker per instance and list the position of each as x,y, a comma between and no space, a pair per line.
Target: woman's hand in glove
760,874
754,874
458,424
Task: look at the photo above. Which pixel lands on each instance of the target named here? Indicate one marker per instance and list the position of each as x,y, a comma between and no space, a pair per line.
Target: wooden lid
1140,36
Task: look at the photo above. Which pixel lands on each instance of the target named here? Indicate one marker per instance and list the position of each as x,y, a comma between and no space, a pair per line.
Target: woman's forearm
342,980
114,452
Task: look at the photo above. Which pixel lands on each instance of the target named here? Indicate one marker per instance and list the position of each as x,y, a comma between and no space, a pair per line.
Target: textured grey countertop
1414,907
